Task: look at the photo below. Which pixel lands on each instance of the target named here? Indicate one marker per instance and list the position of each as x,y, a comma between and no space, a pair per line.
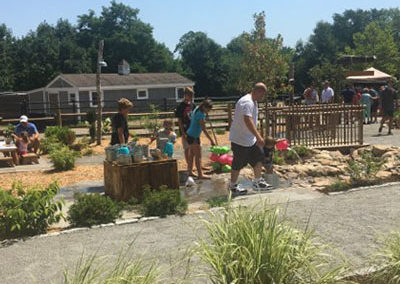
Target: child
198,125
269,154
165,135
22,143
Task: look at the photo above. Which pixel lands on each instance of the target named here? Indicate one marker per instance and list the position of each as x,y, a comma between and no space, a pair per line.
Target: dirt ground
91,172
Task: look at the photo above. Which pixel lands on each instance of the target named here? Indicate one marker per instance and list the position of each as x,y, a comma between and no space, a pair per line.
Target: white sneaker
237,189
261,185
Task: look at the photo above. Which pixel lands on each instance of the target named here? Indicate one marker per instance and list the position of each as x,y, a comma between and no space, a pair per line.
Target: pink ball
214,157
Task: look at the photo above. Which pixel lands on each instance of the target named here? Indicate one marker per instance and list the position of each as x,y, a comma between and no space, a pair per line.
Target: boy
269,155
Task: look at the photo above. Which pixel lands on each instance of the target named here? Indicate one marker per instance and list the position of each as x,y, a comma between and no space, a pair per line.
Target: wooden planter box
124,182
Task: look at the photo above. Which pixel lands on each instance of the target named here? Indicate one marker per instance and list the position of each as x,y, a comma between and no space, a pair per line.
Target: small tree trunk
99,94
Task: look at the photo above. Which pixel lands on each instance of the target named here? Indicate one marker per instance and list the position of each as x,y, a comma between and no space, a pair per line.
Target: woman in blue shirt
197,126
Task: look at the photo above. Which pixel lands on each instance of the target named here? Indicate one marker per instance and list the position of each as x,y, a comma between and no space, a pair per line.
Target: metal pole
99,94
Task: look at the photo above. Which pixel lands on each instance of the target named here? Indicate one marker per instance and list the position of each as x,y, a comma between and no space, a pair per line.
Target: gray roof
89,80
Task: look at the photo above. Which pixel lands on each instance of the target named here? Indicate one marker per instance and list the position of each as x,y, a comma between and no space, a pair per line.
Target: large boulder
379,150
383,175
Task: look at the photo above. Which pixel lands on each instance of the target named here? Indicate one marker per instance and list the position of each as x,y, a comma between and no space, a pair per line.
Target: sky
222,20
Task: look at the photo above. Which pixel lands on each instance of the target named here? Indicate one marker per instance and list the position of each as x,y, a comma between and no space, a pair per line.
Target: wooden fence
319,126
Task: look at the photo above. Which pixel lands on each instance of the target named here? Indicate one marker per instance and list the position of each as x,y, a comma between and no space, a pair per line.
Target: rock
344,179
324,171
324,155
323,182
247,172
336,155
391,154
383,175
379,150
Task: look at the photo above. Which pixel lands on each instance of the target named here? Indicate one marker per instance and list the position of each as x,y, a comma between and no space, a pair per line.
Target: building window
179,94
94,99
72,98
142,94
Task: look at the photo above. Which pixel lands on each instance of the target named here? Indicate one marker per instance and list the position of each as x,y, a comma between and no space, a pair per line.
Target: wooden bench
29,159
7,161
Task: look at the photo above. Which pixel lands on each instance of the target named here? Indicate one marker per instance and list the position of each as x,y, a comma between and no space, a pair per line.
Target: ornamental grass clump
388,259
249,245
124,270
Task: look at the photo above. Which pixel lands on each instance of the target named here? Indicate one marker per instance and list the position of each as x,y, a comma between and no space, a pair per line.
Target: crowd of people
376,101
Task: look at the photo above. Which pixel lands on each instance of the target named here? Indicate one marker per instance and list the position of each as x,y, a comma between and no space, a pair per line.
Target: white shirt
327,95
239,133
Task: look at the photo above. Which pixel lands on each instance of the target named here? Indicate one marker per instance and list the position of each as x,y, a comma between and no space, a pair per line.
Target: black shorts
191,140
242,156
388,112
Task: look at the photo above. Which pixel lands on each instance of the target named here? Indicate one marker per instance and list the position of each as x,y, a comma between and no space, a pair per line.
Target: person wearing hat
33,134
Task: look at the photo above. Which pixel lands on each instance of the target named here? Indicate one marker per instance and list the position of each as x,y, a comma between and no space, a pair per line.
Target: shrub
253,245
28,212
93,209
364,171
61,134
220,131
302,151
218,201
163,202
63,158
338,186
87,151
49,144
291,156
277,159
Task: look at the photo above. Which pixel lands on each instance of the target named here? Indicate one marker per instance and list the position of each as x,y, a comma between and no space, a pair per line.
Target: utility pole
99,93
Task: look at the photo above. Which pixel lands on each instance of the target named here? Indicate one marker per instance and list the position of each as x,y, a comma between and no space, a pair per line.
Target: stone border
363,188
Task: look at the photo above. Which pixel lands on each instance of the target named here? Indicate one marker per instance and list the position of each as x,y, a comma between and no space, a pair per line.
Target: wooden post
99,94
229,115
361,126
58,110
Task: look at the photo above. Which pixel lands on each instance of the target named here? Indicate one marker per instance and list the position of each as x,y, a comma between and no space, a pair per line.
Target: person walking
183,112
310,95
388,97
366,101
247,142
327,93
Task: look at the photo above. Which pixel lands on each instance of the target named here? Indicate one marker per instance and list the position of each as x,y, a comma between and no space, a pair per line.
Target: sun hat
23,118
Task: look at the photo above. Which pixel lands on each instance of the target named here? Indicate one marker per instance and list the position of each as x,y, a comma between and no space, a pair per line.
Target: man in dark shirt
120,132
388,96
348,93
183,112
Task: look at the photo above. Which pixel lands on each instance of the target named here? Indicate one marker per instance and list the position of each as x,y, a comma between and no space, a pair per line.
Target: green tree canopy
202,60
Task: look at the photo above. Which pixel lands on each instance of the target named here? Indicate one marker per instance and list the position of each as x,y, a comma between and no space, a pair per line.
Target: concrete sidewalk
351,222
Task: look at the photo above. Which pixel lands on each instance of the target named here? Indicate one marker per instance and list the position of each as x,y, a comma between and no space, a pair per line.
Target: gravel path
351,222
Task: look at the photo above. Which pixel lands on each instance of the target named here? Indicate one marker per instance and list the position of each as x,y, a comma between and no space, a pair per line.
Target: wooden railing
318,126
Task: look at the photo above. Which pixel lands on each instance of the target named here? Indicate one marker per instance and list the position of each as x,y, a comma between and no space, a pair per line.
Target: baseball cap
23,118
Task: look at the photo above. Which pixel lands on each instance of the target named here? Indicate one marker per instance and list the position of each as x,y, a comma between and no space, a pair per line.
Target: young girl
165,135
198,125
22,143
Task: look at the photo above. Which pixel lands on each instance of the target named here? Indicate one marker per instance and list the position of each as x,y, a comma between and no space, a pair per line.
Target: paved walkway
351,222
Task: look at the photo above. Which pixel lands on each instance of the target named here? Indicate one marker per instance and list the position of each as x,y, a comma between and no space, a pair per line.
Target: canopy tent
375,78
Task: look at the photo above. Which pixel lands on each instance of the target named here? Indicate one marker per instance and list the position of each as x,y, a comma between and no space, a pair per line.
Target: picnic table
9,153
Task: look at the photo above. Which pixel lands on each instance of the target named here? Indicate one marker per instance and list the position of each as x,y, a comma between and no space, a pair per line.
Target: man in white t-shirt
247,142
327,93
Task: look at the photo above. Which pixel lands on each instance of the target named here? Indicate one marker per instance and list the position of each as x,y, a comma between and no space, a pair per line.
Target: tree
263,59
378,42
6,59
202,60
126,37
